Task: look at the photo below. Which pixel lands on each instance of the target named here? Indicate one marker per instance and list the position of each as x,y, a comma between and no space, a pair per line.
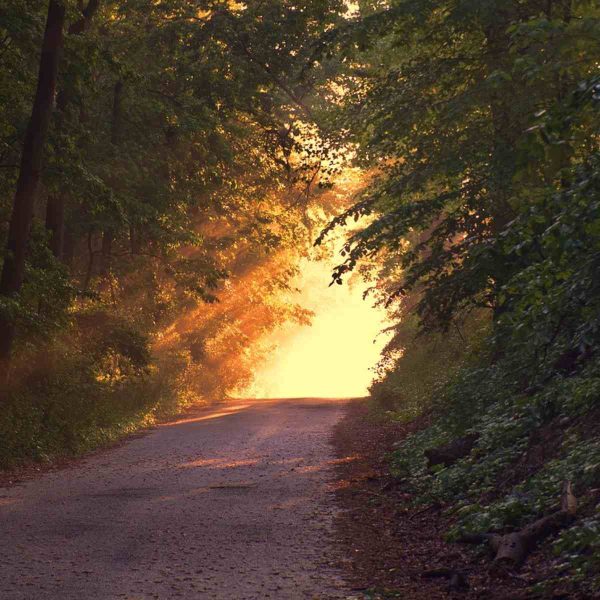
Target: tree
442,120
174,119
13,268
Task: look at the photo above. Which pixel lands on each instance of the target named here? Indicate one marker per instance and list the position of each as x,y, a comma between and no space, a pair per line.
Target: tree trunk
450,453
55,209
134,241
68,248
117,111
505,125
86,16
90,266
107,239
55,223
511,549
13,269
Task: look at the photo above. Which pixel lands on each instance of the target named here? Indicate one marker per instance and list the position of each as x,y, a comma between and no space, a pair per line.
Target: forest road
233,503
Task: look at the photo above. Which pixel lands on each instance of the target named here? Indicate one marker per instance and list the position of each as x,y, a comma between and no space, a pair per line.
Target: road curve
229,504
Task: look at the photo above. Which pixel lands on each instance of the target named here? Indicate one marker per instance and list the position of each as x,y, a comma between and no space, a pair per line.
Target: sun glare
334,356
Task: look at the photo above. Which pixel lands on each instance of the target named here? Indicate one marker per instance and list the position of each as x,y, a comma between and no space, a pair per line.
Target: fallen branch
511,549
434,506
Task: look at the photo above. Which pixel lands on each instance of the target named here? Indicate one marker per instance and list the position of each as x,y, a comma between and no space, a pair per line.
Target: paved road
230,504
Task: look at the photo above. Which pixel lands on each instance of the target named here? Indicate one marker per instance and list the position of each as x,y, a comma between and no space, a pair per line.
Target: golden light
334,356
353,9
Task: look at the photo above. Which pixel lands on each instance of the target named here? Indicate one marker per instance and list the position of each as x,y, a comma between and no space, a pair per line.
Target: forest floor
391,545
230,503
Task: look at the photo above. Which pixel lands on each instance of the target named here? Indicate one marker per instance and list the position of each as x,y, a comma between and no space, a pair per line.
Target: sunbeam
334,356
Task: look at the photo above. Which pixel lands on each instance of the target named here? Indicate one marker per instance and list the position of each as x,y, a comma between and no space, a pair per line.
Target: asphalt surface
233,503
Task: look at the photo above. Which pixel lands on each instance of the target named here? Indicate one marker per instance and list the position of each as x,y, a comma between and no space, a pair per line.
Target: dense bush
534,398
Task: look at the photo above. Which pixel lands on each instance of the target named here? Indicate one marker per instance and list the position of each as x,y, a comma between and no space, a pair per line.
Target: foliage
480,123
528,446
181,177
443,119
185,167
414,369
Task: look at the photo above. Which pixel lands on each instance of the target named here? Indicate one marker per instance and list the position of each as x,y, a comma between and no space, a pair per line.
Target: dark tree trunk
108,235
134,241
68,249
450,453
86,16
55,209
13,269
117,111
505,126
90,266
107,240
55,223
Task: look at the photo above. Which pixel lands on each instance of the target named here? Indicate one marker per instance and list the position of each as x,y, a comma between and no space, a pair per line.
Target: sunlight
225,412
334,356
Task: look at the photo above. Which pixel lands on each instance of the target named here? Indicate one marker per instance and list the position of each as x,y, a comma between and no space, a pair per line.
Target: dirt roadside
389,544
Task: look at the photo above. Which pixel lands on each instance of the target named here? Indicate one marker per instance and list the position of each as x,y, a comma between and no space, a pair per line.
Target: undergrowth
76,396
528,445
529,388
